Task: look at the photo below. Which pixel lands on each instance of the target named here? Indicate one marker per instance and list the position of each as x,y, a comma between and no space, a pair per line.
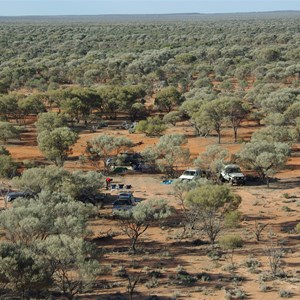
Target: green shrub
104,270
263,288
183,277
252,264
214,254
4,151
121,272
28,163
231,242
286,209
151,283
8,167
232,219
204,277
285,294
151,127
8,131
235,293
155,274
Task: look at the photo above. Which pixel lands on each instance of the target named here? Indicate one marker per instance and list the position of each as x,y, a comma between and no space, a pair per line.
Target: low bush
8,167
235,293
285,294
252,264
232,219
297,228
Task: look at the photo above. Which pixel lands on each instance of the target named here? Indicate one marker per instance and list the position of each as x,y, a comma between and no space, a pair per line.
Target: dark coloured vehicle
10,196
121,205
125,202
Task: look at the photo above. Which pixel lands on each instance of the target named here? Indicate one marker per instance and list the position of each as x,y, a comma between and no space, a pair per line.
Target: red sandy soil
164,250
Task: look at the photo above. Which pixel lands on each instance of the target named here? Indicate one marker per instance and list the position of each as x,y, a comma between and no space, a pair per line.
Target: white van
191,174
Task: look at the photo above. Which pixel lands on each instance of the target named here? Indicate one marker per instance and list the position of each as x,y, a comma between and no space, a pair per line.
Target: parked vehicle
126,160
96,200
126,201
127,196
232,174
121,205
129,126
191,174
10,196
121,169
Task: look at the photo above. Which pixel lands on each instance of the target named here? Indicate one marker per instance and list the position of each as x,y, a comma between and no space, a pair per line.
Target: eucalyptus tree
172,117
77,185
180,189
276,119
56,144
201,123
212,160
46,247
8,131
100,148
4,86
137,110
73,108
9,108
55,97
213,115
110,103
79,103
260,92
279,101
49,121
137,220
208,205
237,110
131,100
21,271
268,54
190,106
31,105
293,112
297,128
194,100
8,166
264,157
172,153
167,98
152,126
71,261
49,213
276,134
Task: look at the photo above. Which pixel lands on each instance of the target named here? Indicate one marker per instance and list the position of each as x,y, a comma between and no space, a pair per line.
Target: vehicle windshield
125,196
122,202
234,170
189,173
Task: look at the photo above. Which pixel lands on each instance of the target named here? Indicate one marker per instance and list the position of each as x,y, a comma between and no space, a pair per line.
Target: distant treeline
163,51
151,17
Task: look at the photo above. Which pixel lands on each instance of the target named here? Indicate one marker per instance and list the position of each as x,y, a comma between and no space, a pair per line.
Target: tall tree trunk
219,137
133,244
235,129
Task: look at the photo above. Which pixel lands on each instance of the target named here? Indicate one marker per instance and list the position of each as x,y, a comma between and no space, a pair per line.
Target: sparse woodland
77,83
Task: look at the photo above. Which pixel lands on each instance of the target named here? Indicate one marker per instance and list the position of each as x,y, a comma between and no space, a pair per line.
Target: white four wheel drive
191,174
232,174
